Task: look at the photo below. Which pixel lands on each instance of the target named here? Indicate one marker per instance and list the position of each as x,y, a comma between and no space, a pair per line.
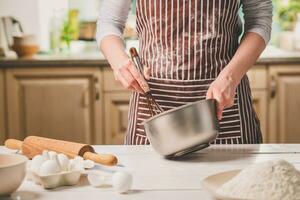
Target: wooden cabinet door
2,109
258,82
116,116
259,100
61,103
285,104
257,76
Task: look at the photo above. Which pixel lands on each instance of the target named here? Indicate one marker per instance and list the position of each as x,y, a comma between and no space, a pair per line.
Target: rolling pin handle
104,159
13,144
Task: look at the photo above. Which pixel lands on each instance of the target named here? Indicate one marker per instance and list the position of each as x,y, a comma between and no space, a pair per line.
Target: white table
158,178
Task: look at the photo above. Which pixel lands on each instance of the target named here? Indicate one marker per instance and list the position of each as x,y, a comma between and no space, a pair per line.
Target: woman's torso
187,40
187,44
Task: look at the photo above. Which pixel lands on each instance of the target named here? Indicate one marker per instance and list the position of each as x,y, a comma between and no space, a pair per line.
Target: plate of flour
270,180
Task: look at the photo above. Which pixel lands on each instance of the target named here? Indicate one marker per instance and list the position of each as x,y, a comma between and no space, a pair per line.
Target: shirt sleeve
258,17
112,18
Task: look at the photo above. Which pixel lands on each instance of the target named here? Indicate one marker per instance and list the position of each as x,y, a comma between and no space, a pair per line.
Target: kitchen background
55,83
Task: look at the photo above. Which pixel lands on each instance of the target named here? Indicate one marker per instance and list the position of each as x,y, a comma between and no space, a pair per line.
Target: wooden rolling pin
33,145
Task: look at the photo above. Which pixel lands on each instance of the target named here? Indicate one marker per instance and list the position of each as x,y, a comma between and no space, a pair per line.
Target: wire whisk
153,106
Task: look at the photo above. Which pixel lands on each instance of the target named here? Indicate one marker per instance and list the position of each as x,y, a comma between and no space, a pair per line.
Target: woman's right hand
130,77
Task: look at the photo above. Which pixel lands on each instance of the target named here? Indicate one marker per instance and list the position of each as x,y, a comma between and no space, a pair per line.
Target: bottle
74,23
70,29
55,31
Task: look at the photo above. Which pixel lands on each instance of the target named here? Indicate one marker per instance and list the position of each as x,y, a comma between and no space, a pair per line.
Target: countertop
158,178
56,60
271,55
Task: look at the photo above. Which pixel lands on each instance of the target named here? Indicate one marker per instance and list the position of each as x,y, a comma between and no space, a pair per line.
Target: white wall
34,16
46,11
24,11
89,9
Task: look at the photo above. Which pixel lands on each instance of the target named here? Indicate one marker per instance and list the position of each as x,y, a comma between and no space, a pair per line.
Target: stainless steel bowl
183,130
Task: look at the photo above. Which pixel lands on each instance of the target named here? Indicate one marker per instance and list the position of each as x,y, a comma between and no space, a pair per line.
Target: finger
209,94
131,81
116,75
147,72
138,77
124,83
117,79
219,112
220,102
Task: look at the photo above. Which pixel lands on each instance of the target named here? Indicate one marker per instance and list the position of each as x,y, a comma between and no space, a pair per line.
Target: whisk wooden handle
136,59
133,52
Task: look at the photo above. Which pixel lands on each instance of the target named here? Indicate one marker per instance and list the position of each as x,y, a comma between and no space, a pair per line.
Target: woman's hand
124,69
130,77
223,90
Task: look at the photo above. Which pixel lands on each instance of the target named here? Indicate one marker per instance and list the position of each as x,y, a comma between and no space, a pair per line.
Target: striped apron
187,43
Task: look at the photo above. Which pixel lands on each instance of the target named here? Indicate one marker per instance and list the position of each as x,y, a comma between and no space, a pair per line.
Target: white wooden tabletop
158,178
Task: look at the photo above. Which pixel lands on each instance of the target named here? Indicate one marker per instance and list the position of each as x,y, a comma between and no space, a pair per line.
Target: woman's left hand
223,90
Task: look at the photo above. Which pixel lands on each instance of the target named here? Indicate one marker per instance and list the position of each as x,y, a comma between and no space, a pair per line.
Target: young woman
191,51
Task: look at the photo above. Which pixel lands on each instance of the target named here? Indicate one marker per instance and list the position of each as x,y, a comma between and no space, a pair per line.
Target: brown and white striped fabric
187,43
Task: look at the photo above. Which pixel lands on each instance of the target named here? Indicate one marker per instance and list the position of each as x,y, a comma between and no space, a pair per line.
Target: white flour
271,180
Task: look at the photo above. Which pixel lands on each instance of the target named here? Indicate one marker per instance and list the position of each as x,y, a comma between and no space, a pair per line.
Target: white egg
63,161
71,161
49,167
78,159
45,154
88,164
75,166
122,181
52,155
36,163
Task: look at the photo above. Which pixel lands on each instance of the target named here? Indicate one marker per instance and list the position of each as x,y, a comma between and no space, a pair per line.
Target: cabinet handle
272,87
97,88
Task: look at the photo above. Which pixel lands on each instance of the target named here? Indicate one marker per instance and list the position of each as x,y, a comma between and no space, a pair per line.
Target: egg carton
52,169
52,181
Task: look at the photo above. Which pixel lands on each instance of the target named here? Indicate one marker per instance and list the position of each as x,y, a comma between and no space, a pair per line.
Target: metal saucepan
183,130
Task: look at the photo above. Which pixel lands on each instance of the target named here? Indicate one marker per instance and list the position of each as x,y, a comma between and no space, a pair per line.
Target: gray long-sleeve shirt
114,13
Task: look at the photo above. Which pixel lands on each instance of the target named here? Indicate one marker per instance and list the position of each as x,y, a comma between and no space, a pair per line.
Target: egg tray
65,178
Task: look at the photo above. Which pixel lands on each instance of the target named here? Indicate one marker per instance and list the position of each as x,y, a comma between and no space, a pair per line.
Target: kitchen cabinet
61,102
2,109
79,100
116,117
258,82
116,105
259,100
284,103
